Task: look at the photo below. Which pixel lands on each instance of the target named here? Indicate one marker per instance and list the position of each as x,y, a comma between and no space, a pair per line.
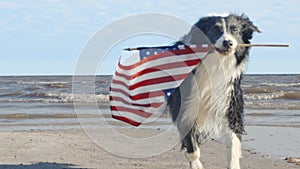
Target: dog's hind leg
234,151
193,151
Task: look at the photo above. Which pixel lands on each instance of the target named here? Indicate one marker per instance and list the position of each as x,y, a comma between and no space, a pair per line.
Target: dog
209,103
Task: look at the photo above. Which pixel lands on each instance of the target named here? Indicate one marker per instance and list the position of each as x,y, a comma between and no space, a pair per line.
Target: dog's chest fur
207,98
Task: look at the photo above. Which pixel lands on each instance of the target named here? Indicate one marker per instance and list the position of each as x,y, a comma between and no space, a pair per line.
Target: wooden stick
264,45
241,45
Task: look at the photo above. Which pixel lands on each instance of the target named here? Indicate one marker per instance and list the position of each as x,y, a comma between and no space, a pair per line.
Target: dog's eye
233,29
216,29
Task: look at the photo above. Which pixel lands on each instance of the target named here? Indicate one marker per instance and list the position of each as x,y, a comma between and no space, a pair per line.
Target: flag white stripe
176,58
148,88
152,75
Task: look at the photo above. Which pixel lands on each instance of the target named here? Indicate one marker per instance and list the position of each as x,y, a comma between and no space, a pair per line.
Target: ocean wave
246,85
57,97
53,84
282,84
17,93
57,85
263,105
291,96
282,95
264,96
256,90
41,82
18,96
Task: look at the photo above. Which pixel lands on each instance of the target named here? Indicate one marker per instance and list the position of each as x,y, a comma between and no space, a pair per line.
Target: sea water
47,103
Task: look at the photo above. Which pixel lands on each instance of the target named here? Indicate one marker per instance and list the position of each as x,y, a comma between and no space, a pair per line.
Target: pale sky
45,37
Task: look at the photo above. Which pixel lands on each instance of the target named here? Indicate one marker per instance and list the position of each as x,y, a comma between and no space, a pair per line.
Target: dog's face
225,32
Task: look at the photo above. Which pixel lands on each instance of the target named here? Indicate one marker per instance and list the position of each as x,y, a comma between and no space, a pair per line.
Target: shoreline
54,149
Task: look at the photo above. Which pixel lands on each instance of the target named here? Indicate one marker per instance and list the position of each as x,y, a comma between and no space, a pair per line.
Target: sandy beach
74,149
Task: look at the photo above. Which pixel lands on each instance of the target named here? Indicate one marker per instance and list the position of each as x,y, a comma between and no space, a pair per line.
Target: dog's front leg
234,151
194,158
193,151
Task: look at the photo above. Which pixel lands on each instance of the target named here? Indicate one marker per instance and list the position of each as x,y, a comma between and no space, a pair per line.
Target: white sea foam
264,96
53,97
282,84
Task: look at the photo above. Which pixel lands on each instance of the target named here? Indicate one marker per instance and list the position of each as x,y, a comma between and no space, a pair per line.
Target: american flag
139,90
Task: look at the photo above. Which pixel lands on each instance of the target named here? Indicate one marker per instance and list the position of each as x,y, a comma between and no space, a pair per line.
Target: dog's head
225,33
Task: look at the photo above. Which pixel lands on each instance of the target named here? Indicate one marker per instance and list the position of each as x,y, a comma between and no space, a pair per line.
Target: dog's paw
237,167
196,165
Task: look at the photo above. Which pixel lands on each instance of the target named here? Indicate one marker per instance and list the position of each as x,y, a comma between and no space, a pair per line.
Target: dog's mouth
223,51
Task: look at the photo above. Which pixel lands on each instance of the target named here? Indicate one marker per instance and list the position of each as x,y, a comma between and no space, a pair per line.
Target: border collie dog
209,103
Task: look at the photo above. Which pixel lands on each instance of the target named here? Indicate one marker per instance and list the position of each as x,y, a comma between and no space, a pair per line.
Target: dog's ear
247,28
199,30
203,24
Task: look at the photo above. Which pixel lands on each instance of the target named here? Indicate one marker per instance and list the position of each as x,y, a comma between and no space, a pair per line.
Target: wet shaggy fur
209,103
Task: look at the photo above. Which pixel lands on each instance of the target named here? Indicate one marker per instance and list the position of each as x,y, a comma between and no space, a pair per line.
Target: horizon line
251,73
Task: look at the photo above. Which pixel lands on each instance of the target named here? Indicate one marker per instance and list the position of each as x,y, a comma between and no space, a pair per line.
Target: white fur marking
194,159
194,156
234,152
224,25
225,37
218,14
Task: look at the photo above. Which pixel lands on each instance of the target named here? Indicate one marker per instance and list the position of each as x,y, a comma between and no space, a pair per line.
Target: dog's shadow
41,165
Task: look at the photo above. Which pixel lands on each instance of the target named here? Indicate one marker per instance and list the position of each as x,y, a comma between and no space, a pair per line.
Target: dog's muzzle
227,44
227,47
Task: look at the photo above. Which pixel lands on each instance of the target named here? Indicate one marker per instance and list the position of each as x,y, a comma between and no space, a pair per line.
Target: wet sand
73,149
273,141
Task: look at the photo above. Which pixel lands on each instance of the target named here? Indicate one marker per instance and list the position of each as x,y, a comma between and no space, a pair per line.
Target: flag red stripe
134,111
119,99
119,82
127,120
139,96
153,81
159,68
164,55
157,81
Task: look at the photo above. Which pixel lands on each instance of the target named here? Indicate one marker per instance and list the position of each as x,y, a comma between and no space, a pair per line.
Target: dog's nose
227,43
